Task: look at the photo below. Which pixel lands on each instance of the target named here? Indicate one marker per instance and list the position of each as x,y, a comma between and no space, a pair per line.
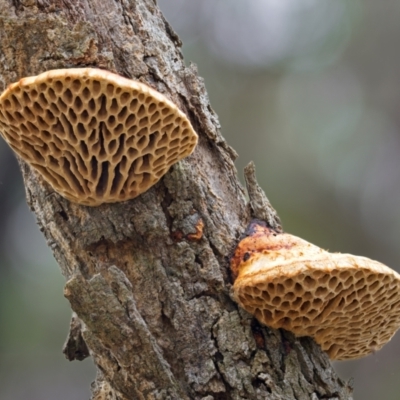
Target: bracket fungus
94,136
350,305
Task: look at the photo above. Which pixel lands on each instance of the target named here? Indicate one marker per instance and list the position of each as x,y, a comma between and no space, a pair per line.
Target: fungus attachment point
350,305
94,136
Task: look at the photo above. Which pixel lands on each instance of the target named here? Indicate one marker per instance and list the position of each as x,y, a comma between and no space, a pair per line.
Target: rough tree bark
148,279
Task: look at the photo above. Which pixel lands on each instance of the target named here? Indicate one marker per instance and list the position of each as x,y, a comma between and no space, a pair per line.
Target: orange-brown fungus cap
350,305
95,136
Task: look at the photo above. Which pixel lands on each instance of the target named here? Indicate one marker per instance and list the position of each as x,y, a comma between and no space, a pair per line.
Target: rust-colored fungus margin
350,305
94,136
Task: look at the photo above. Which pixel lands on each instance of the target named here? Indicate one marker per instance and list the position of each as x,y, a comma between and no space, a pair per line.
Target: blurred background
310,91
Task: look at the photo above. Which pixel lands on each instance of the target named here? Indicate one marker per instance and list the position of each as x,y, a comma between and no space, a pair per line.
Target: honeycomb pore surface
351,308
94,136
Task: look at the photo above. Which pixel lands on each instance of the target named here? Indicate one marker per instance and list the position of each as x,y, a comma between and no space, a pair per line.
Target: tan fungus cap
95,136
350,305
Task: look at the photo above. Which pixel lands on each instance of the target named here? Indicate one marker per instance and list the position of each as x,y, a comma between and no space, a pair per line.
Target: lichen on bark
149,279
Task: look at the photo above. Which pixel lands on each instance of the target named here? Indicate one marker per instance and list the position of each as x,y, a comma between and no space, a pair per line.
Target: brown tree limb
149,278
259,204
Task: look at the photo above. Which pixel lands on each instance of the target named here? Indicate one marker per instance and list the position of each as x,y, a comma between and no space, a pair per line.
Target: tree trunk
148,279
